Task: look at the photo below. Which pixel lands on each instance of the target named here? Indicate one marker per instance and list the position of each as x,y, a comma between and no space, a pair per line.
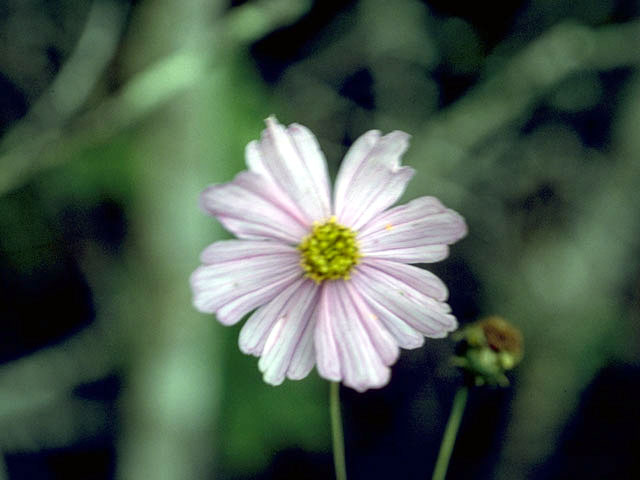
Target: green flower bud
488,348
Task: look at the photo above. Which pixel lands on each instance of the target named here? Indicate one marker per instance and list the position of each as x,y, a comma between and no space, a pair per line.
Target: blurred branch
79,75
63,420
41,128
32,147
562,51
31,382
254,20
529,75
37,408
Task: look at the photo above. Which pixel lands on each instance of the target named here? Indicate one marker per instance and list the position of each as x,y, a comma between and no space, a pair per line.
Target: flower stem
450,432
336,431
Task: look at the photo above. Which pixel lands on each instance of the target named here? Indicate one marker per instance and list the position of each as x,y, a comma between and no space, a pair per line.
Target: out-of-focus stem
450,433
336,431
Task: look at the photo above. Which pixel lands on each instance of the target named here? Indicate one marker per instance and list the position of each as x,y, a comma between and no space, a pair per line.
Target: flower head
328,277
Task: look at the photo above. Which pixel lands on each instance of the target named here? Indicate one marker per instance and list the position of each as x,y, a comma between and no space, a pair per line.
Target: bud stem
336,431
450,433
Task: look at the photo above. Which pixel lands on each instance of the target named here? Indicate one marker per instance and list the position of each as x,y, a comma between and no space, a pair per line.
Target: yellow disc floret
329,252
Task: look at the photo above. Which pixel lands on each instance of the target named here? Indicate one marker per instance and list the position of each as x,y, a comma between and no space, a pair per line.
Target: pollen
329,252
388,227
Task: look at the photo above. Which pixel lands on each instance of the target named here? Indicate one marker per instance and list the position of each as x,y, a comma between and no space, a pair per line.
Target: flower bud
488,348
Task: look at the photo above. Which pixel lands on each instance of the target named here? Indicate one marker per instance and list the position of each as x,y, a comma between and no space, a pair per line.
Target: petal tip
329,372
364,384
464,229
272,380
461,228
399,139
227,319
203,197
400,135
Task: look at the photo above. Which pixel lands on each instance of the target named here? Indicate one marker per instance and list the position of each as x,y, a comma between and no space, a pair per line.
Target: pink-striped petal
241,250
351,345
422,254
236,280
289,335
292,160
417,232
399,297
370,178
257,327
405,335
327,354
352,161
304,357
252,207
419,279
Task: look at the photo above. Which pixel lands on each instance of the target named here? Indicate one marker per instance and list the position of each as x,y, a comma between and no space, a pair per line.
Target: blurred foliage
116,114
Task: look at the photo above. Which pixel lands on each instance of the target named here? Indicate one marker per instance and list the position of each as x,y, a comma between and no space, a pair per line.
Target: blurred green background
115,115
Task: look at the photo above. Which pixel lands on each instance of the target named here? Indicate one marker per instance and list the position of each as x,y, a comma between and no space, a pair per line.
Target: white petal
405,335
240,281
419,254
419,279
304,358
395,300
293,161
327,356
370,178
232,250
350,343
293,326
350,164
417,232
257,327
251,207
309,150
380,337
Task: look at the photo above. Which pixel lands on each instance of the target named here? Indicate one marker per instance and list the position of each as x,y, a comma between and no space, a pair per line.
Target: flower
328,278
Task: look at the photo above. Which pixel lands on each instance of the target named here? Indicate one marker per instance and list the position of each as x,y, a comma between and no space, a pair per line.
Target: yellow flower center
329,252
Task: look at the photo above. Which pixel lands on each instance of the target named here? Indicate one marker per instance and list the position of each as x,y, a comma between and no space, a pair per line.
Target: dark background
114,115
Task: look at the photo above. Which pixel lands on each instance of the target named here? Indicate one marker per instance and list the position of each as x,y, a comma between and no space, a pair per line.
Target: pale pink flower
329,276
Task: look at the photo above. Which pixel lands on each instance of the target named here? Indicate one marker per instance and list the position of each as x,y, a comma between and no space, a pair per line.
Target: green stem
450,432
336,431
